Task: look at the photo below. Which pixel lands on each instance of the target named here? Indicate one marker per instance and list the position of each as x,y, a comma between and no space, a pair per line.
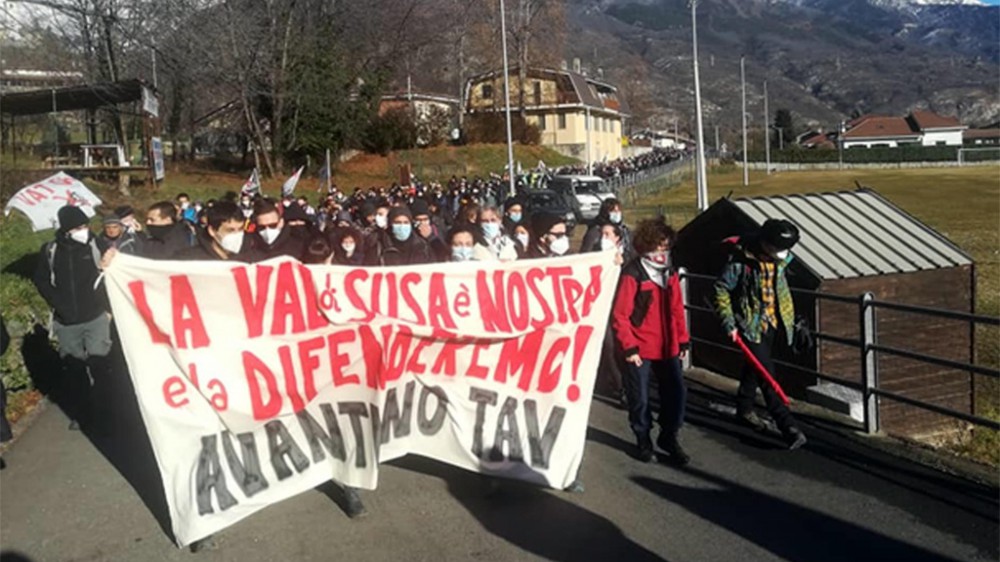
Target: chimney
563,65
576,65
600,73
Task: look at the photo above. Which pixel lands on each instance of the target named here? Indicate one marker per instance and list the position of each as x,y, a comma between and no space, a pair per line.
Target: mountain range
825,60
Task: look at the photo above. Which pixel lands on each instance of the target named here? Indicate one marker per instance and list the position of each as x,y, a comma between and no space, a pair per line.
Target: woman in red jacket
648,320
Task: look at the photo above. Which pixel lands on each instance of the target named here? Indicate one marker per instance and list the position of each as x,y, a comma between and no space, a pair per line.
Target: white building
919,128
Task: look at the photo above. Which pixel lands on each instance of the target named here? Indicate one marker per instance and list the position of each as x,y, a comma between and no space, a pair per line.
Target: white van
588,192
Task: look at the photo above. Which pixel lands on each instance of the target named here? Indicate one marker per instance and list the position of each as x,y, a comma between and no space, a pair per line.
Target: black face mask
158,231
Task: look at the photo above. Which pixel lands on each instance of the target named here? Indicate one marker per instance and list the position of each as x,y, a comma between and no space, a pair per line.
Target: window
487,91
541,122
538,93
562,120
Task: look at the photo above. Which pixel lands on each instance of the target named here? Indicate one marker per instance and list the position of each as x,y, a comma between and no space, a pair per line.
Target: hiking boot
751,420
203,545
669,444
795,438
353,507
645,445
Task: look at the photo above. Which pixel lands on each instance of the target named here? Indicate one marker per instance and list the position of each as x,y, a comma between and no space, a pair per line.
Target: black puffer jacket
68,285
172,240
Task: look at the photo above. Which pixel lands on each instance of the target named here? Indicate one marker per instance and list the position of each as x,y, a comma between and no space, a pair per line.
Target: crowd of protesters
614,168
460,221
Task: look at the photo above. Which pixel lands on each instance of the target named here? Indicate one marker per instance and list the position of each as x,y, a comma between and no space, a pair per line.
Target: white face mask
560,245
232,242
523,239
348,249
381,221
270,234
608,244
80,236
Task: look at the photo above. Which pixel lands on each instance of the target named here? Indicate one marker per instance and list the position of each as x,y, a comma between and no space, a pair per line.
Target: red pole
760,369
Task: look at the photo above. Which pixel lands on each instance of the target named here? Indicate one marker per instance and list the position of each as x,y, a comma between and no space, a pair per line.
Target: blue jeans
673,395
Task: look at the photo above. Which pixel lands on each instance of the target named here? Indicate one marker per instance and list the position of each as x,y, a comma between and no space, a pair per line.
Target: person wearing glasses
551,236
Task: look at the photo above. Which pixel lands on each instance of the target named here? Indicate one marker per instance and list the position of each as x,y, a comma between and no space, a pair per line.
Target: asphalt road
66,496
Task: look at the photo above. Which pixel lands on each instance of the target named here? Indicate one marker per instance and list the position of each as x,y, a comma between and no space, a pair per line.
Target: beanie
71,217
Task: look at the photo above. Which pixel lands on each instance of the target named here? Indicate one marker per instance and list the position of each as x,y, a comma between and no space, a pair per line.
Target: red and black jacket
649,319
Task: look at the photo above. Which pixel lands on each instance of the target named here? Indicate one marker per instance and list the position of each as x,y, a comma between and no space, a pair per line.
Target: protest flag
291,182
252,185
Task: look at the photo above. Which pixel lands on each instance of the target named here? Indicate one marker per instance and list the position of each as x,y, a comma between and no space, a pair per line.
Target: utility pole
767,131
153,53
506,94
718,147
840,144
701,176
743,83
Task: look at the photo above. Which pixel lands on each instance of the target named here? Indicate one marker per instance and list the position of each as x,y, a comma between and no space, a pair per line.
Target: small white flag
291,182
252,185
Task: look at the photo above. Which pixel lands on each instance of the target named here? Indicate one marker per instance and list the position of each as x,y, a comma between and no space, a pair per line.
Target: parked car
586,194
549,201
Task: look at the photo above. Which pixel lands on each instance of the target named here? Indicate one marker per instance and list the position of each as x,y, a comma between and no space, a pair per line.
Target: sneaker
646,453
795,438
354,507
203,545
751,420
669,444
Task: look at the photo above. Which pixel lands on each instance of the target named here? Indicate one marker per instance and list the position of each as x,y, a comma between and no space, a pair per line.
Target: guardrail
868,347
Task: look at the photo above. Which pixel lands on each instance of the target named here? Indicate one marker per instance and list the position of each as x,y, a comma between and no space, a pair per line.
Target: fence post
869,363
682,273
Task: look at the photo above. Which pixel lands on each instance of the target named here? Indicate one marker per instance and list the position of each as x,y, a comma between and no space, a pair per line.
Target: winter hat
542,223
420,207
293,212
124,211
511,201
400,212
71,217
780,233
367,208
344,216
112,219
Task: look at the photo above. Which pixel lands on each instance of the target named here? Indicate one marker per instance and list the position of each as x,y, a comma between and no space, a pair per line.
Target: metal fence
869,348
623,183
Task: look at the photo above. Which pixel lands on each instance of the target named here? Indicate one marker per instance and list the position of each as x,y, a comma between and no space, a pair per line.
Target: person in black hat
754,302
273,235
68,277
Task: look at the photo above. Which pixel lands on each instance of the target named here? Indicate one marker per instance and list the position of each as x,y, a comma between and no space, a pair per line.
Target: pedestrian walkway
742,498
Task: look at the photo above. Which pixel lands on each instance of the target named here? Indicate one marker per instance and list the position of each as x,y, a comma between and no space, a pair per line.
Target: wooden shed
852,242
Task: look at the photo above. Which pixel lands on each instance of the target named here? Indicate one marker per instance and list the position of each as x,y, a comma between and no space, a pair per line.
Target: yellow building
571,111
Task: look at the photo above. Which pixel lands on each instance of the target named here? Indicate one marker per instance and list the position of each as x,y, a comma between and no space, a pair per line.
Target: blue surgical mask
491,230
402,232
615,217
461,253
515,217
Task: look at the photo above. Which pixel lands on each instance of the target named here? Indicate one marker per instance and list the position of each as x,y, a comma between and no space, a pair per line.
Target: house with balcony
577,115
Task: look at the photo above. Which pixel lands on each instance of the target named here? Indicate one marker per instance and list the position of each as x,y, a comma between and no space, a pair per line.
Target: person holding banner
753,301
68,277
165,235
222,238
551,236
648,320
273,237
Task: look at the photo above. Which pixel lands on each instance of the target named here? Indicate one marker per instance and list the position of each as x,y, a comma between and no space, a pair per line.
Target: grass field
961,203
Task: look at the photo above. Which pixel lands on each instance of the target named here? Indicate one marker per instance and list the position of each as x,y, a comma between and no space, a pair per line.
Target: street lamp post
506,95
743,85
767,131
701,175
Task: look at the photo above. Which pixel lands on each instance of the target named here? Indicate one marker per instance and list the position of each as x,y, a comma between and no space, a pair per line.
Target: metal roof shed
852,242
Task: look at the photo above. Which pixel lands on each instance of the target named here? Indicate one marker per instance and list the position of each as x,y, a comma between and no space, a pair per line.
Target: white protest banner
41,201
289,186
258,382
